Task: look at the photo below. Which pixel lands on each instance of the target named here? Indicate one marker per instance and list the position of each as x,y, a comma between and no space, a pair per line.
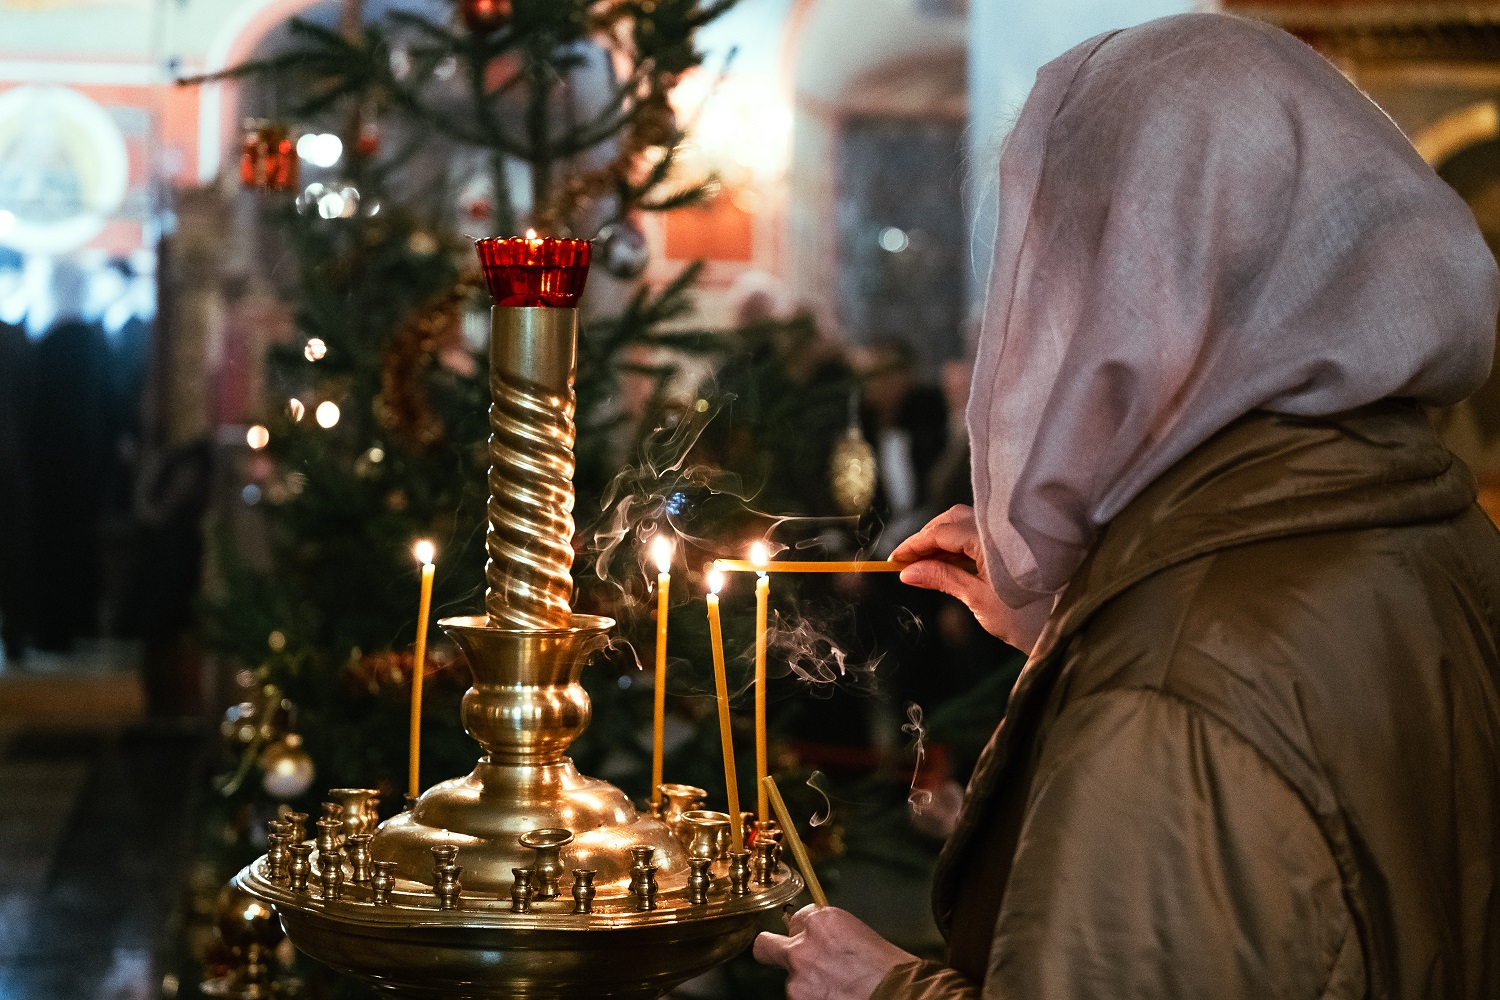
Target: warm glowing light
760,554
315,350
327,413
257,437
715,580
296,409
321,149
531,234
661,553
376,454
424,552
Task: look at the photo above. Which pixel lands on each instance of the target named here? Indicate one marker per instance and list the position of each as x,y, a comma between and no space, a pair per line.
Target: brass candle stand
525,878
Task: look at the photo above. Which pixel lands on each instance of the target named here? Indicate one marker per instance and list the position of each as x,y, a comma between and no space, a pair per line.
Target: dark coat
1257,752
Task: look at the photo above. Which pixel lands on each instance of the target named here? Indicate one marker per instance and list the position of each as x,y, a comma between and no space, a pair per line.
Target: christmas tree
374,425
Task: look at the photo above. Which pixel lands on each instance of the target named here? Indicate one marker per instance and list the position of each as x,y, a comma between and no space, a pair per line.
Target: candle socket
707,833
448,887
767,854
300,869
277,855
330,876
700,880
298,821
330,832
360,809
765,829
547,868
645,890
583,890
443,856
358,849
382,882
640,860
677,800
521,892
739,873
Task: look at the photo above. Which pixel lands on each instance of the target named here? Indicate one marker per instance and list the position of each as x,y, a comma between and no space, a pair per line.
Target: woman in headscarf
1256,749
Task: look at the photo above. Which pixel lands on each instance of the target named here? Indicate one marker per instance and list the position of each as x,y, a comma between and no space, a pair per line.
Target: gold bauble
852,473
286,769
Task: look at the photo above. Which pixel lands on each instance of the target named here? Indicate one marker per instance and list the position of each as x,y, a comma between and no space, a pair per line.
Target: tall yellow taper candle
661,554
789,834
760,555
424,552
726,737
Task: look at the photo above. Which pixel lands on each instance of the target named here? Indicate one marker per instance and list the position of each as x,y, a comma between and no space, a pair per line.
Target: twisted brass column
529,539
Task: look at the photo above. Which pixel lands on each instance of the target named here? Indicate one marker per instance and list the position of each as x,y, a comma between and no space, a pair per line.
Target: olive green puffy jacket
1257,753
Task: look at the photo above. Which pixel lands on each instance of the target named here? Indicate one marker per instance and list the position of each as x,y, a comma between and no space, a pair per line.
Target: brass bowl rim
481,623
544,837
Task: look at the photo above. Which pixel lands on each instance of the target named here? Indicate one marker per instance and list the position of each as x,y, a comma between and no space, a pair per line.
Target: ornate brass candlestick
525,878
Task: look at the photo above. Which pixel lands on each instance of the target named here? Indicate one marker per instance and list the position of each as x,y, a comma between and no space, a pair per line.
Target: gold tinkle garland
402,406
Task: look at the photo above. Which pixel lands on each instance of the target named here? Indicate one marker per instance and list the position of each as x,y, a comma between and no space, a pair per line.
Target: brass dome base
484,951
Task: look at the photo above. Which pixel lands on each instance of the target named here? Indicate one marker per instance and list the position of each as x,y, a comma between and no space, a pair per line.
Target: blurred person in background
15,471
69,450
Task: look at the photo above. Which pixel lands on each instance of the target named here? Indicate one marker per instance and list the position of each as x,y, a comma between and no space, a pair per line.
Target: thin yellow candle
789,834
721,686
424,552
821,566
661,554
760,556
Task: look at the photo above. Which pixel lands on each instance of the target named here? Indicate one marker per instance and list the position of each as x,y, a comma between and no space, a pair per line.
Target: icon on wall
63,169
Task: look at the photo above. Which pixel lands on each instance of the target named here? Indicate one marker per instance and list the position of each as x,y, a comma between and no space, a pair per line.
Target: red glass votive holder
538,271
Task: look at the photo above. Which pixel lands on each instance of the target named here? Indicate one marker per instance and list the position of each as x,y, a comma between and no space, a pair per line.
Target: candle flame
760,554
424,551
531,234
661,553
715,580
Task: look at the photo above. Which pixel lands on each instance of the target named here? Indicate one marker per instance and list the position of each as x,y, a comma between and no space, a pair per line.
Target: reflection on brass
530,536
641,918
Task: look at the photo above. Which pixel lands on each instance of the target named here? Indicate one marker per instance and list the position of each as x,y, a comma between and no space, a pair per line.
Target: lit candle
760,556
721,685
789,833
661,554
827,566
424,553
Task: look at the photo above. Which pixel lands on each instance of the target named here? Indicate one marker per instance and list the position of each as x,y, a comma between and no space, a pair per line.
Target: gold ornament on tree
852,469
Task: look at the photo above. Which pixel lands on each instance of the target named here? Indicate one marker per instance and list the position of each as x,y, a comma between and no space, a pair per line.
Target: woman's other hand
949,536
830,954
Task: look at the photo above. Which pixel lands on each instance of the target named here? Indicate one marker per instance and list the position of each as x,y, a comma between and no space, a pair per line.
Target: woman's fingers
931,574
952,532
797,922
773,949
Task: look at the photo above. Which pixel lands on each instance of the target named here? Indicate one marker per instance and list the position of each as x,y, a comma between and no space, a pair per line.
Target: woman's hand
830,954
948,536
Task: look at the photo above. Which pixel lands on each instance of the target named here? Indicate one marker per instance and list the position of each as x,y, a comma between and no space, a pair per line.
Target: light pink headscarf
1199,217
